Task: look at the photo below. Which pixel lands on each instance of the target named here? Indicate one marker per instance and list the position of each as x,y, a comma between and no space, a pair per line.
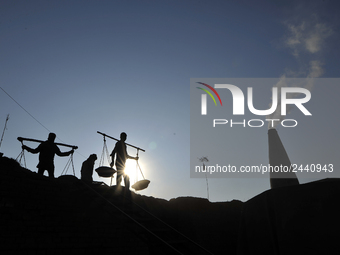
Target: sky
78,67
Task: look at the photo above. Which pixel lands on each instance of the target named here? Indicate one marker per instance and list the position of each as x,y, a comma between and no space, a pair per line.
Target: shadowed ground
39,215
64,215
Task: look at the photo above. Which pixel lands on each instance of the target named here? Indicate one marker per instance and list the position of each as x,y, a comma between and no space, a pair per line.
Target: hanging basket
140,185
105,171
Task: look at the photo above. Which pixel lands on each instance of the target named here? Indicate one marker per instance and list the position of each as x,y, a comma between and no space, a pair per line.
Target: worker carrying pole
119,156
47,150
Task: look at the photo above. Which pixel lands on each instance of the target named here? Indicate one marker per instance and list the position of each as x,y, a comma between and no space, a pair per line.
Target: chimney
278,157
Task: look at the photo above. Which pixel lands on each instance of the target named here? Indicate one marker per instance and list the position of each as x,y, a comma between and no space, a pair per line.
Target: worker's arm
34,151
63,154
113,153
130,157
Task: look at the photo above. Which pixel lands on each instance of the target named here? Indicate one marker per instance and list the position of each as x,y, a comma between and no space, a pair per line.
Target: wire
21,157
25,110
35,118
105,152
144,227
68,164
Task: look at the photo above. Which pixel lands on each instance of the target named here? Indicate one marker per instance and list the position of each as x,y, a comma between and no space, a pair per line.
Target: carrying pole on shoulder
21,139
118,140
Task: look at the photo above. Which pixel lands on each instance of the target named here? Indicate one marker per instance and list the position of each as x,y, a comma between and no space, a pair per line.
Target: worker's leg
119,177
126,182
41,171
50,172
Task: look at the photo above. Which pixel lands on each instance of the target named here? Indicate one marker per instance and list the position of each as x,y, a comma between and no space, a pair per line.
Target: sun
131,171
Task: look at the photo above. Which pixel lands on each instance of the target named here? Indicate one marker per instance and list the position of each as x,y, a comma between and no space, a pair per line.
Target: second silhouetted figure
121,156
87,169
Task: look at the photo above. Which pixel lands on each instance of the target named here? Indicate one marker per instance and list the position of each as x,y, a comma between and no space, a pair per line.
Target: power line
33,117
25,110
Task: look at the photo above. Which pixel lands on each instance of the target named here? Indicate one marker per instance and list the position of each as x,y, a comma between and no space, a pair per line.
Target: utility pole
3,132
205,159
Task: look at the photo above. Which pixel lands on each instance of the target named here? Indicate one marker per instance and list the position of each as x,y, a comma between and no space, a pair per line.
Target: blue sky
85,66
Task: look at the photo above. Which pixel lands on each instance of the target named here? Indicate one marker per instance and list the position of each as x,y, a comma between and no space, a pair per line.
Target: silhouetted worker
87,169
47,151
121,157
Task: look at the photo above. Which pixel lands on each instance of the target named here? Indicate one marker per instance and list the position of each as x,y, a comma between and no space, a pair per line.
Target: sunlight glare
133,171
130,170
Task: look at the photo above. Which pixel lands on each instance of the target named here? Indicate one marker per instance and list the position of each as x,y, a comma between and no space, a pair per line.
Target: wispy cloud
315,69
306,39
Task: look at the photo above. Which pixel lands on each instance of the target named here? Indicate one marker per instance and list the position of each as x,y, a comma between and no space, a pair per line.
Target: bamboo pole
118,140
21,139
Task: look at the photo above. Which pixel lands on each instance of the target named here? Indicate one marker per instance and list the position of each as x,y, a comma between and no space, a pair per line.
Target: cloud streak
306,39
